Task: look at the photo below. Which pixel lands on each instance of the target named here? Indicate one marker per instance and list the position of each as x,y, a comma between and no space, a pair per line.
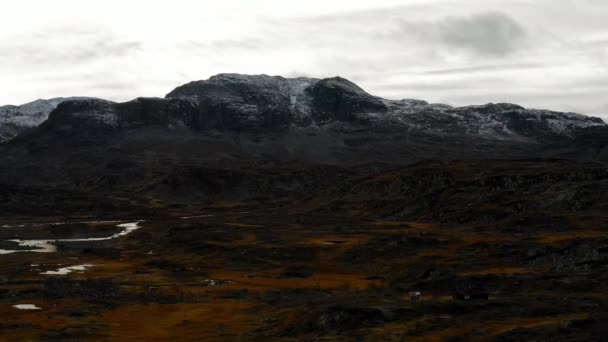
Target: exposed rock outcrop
17,119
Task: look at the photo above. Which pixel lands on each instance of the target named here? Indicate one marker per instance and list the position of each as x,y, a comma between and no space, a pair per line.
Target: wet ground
223,275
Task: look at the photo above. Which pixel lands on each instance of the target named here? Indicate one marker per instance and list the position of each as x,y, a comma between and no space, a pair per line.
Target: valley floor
224,275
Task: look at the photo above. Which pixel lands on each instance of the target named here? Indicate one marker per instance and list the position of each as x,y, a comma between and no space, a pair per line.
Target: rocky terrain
15,120
265,208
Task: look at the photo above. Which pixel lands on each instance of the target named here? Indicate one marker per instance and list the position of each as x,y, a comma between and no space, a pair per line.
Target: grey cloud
484,68
63,47
486,34
404,88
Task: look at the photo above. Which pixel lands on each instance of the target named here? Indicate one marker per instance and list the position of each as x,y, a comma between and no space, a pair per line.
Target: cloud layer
486,34
536,53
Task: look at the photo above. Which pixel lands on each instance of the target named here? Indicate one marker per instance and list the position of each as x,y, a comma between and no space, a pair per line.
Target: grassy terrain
248,276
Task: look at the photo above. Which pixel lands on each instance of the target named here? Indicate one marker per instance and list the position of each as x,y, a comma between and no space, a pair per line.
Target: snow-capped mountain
259,137
254,101
330,120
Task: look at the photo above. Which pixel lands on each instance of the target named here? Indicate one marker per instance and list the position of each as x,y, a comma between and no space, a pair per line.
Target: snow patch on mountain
300,98
493,121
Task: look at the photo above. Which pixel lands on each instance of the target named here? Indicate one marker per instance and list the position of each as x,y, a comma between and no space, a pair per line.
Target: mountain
244,102
17,119
330,120
242,137
249,103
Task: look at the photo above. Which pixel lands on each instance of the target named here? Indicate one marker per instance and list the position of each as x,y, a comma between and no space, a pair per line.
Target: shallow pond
47,245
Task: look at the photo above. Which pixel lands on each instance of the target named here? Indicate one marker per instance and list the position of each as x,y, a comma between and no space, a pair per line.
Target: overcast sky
538,53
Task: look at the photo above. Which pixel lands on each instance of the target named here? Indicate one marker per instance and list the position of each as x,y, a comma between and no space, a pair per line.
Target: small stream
69,269
47,245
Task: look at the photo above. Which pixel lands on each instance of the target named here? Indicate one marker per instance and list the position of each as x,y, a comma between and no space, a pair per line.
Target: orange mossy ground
219,320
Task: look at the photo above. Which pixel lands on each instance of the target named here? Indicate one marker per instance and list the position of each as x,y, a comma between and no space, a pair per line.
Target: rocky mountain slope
241,102
328,121
240,137
17,119
247,103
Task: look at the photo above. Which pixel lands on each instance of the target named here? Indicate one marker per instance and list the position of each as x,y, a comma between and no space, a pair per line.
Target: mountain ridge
263,139
243,102
329,121
235,101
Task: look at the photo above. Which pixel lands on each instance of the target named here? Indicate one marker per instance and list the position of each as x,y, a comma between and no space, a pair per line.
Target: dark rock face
239,102
92,112
338,98
17,119
74,123
170,113
244,102
94,116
